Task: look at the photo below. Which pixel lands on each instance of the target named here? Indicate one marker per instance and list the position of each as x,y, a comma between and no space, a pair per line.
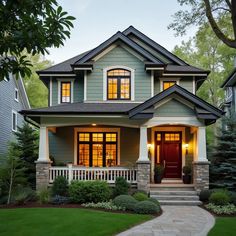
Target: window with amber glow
172,136
65,92
118,84
167,84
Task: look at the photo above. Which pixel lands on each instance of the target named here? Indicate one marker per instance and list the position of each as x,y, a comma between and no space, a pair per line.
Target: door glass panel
158,137
172,136
110,154
84,154
158,153
124,88
97,155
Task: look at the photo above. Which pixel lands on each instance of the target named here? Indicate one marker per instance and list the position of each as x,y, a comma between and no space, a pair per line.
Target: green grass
224,226
64,221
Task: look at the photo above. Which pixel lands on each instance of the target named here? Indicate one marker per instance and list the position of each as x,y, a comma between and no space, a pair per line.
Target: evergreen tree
223,160
27,144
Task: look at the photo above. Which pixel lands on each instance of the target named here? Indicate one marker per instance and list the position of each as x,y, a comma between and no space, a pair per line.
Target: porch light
149,146
94,124
186,145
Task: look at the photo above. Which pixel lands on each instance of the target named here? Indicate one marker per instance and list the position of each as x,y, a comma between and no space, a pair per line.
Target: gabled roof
176,89
230,80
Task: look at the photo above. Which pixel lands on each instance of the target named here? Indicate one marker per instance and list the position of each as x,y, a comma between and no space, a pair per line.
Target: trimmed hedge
153,200
125,201
89,191
205,195
60,186
139,196
146,207
121,187
220,198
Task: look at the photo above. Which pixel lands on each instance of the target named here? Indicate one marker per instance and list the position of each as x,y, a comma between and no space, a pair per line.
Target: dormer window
65,92
118,84
168,84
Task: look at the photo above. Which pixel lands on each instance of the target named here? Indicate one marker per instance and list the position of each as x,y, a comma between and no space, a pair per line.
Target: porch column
201,164
43,163
143,163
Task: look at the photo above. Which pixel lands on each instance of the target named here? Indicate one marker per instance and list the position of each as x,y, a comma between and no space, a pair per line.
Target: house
229,85
121,108
13,98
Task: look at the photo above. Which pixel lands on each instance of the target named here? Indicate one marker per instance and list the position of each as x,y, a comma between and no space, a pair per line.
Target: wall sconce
186,145
149,146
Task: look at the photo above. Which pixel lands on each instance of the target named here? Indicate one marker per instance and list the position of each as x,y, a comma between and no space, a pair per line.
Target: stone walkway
175,221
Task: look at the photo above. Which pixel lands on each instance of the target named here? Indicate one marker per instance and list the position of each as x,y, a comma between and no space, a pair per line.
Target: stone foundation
42,174
201,175
143,175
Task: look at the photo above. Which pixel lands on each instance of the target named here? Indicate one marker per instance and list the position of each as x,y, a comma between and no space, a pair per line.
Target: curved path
175,221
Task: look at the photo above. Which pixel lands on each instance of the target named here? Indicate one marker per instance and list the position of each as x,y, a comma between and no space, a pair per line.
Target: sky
97,20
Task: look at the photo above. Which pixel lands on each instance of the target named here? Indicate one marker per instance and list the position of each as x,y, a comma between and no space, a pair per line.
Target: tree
36,90
12,172
27,146
31,25
217,13
223,160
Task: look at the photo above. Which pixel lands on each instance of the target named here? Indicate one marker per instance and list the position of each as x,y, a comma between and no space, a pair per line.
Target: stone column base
201,175
143,175
42,174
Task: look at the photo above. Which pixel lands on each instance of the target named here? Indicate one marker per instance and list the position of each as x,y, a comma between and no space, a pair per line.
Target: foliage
31,25
60,186
125,201
59,200
121,187
205,194
223,159
12,172
146,207
187,170
219,15
27,145
140,196
219,198
233,198
24,195
89,191
154,200
44,195
104,205
159,169
222,210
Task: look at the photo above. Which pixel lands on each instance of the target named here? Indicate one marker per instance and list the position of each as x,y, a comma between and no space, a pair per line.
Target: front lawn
64,221
224,226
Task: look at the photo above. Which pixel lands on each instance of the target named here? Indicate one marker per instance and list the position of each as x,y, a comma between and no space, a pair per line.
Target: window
65,92
14,121
118,84
168,84
97,149
172,137
16,95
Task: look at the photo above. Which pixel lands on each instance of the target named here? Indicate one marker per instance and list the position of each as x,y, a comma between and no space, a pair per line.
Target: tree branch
229,4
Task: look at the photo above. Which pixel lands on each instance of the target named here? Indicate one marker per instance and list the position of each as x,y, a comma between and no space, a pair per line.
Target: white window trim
85,85
166,80
132,82
16,91
152,83
50,92
71,89
14,113
5,78
93,129
194,85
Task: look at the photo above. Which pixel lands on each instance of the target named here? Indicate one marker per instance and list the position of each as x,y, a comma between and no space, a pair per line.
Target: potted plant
158,173
187,174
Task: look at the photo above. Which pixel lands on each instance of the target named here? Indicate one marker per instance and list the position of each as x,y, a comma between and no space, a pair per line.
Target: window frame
14,113
65,82
16,93
163,80
59,88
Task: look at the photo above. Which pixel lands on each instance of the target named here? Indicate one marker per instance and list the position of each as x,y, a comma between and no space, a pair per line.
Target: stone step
180,203
175,197
173,192
172,188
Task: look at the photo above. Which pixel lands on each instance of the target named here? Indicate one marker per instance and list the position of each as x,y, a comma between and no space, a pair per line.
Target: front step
170,192
176,197
180,203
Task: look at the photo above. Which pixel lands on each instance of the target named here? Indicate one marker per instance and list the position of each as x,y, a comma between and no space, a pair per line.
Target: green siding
54,92
174,108
118,56
156,86
187,83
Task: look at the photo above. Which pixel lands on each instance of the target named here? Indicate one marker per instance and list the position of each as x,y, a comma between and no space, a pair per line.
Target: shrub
187,170
59,200
146,207
233,198
89,191
60,186
125,201
121,187
24,195
43,196
153,200
220,198
104,205
222,210
140,196
205,195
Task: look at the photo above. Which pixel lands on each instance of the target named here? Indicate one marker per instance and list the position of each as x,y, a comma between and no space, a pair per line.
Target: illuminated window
158,137
97,137
84,137
65,92
118,84
172,136
167,84
84,153
111,137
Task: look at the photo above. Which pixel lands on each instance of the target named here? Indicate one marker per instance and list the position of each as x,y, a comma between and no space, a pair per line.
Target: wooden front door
168,153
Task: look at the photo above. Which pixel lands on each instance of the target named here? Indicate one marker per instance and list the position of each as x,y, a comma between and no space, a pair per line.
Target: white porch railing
108,174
